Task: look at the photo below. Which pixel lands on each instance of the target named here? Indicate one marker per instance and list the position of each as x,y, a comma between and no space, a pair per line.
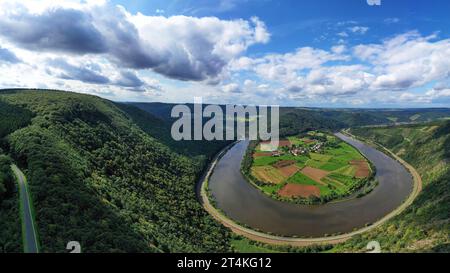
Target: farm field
315,165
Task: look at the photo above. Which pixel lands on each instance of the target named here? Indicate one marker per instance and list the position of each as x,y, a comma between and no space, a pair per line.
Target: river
245,204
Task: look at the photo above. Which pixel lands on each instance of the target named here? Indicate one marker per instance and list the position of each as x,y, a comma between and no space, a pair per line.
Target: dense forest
97,178
7,186
10,233
159,128
424,226
110,176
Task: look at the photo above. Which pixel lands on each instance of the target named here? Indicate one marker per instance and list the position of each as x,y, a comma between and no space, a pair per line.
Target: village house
317,147
298,151
277,154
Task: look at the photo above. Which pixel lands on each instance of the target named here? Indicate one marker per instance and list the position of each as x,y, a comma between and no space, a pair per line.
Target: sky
322,53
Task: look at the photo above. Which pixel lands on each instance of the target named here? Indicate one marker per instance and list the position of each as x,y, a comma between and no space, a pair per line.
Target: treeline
160,129
12,118
362,117
97,178
296,121
7,186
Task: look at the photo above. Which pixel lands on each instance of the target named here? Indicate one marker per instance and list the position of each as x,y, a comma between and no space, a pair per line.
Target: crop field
295,190
268,174
289,171
315,164
315,174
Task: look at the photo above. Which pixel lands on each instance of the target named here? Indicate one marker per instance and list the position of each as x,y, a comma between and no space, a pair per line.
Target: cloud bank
397,65
178,47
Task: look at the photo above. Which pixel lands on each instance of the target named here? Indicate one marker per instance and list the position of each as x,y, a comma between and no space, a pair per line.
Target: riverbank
418,183
280,240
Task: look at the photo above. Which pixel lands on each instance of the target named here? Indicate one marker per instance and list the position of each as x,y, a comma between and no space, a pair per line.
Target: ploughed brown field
261,154
289,171
296,190
315,174
362,168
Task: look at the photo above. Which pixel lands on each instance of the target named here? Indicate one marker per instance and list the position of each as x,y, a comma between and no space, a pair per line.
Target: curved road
29,235
273,239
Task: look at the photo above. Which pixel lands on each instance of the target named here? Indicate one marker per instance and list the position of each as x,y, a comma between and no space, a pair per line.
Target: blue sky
328,53
297,23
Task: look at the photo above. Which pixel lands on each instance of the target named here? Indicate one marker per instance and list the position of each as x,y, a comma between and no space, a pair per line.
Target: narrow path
29,235
279,240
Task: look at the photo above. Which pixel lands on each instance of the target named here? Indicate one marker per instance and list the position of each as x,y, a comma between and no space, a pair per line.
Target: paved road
30,242
279,240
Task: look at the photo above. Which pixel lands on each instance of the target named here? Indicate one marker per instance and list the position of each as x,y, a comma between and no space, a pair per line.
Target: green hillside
99,179
425,225
340,118
110,176
159,128
12,118
294,120
10,228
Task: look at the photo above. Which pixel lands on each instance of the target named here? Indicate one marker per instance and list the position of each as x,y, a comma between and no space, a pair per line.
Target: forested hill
294,120
425,225
110,176
96,177
160,128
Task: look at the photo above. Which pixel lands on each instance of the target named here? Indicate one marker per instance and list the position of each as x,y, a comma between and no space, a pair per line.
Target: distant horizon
208,103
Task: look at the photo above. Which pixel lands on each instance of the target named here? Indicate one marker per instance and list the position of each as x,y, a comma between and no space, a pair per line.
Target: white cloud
406,61
339,49
362,74
231,88
286,67
358,29
392,20
438,95
178,47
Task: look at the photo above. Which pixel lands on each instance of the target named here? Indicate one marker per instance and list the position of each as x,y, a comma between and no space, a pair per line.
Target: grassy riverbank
424,226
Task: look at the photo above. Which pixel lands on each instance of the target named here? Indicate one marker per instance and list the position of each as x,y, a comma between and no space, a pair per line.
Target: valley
110,176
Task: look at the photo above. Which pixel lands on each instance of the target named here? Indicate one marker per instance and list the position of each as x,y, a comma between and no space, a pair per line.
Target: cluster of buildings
297,151
317,147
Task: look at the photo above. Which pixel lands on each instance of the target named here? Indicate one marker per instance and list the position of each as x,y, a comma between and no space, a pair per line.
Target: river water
245,204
